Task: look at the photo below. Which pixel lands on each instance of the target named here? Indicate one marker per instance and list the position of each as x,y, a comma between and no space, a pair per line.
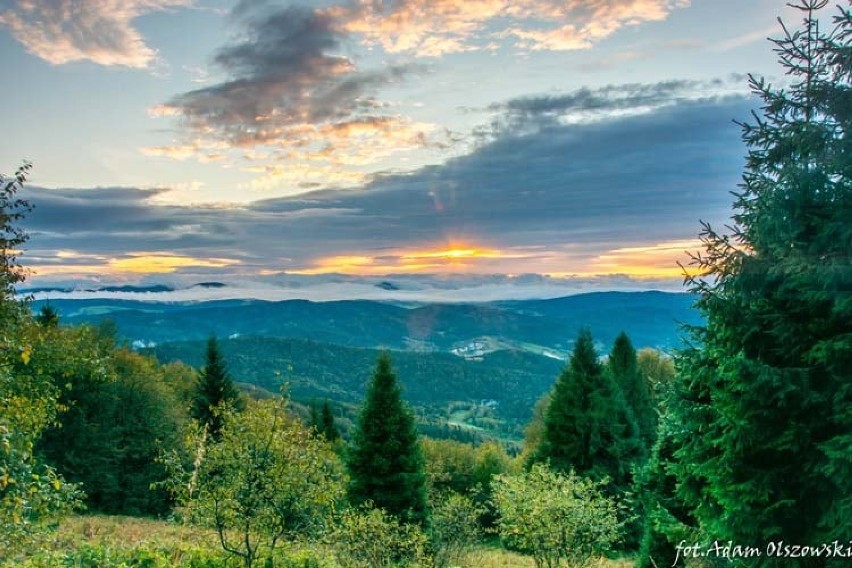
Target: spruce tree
215,389
322,421
623,366
327,426
587,426
763,403
385,463
47,316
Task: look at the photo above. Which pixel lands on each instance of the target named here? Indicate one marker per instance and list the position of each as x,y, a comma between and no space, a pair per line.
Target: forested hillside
651,318
570,445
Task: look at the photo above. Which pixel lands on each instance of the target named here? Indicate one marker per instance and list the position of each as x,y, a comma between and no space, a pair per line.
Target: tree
560,519
587,426
32,494
47,316
623,365
322,421
215,390
658,370
12,210
118,413
268,478
385,462
764,397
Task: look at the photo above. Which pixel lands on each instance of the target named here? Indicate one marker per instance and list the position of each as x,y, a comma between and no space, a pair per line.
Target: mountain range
541,326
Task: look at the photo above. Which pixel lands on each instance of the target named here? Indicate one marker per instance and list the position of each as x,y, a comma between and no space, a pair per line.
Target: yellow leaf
25,354
56,484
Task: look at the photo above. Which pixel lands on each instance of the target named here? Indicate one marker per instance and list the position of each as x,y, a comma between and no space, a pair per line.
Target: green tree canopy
385,462
32,494
215,391
587,426
267,479
560,519
623,365
764,399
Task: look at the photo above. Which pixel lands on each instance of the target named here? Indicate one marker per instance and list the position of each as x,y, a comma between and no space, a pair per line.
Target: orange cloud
314,154
134,263
431,28
453,258
651,261
657,261
100,31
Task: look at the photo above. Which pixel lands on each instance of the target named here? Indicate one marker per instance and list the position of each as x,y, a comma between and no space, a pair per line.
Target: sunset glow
564,139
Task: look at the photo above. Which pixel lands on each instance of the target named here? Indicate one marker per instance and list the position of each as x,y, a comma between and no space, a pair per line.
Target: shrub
559,519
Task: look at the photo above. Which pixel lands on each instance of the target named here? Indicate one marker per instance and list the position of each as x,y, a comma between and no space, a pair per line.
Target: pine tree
47,316
764,399
385,463
322,421
328,428
587,426
215,389
623,366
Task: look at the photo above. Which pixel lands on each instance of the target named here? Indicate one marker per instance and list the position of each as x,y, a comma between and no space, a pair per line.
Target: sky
531,144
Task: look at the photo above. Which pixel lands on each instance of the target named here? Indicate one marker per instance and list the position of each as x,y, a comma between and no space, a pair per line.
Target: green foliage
372,538
100,556
454,528
47,316
267,479
764,398
658,370
32,494
385,462
587,426
666,520
560,519
215,389
119,412
456,468
534,431
12,210
623,366
322,421
318,371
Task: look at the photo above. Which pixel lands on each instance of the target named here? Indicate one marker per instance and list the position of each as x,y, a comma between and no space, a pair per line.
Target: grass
128,533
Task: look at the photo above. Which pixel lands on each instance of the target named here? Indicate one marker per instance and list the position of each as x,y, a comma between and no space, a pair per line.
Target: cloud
429,28
605,103
100,31
291,97
616,196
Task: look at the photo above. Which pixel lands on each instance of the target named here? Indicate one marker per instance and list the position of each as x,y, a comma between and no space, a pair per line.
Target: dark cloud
603,103
588,188
611,97
284,71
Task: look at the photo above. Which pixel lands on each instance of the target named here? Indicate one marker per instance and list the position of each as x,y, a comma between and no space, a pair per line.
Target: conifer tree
328,428
624,368
215,389
47,316
322,421
587,426
764,399
385,463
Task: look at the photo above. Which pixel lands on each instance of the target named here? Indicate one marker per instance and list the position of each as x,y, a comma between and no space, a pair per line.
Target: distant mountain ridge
539,326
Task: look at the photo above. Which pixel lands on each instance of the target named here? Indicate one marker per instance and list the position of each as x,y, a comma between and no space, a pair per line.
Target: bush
454,529
555,517
370,538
